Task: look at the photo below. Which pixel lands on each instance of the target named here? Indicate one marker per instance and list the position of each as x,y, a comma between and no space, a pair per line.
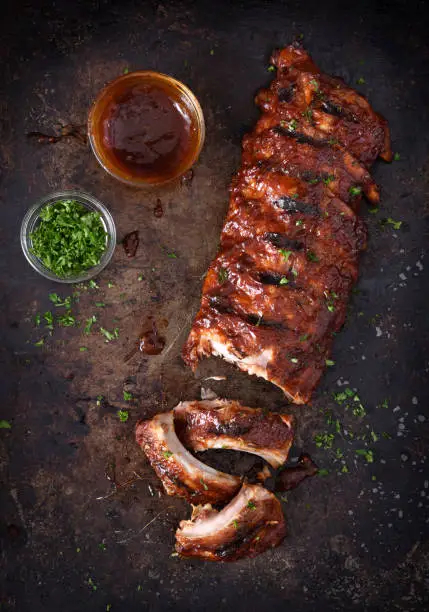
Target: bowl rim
90,202
162,77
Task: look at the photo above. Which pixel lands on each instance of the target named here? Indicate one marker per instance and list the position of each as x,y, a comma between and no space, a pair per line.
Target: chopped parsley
167,454
292,125
69,239
5,424
373,211
333,141
396,224
293,360
140,278
283,281
49,320
251,505
92,584
125,71
396,157
100,304
368,454
66,320
286,254
308,114
323,472
235,523
329,178
83,349
89,323
311,256
360,81
329,362
37,319
172,255
123,415
315,84
324,440
204,485
222,275
127,396
303,338
271,68
110,335
355,190
299,222
58,301
92,284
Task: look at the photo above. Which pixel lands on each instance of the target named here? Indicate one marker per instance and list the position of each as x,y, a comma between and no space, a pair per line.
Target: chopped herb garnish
89,323
292,125
315,84
359,410
324,440
100,304
283,281
299,222
333,141
314,180
373,211
102,546
251,505
123,415
127,396
396,224
140,278
286,254
222,275
328,179
303,338
329,362
37,319
271,68
330,307
374,436
355,190
235,523
295,196
110,285
125,71
66,320
92,584
344,469
40,342
57,301
308,114
69,238
294,272
323,472
311,256
204,485
5,424
368,454
167,454
294,360
92,284
360,81
49,320
83,349
396,157
110,335
172,255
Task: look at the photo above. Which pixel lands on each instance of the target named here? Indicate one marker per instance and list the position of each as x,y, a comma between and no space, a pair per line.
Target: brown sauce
148,132
150,341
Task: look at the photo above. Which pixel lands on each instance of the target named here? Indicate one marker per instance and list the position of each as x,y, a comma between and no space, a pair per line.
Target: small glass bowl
30,221
123,84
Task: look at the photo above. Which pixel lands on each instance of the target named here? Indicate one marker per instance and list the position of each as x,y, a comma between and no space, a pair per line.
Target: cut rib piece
291,477
277,291
228,424
180,472
250,524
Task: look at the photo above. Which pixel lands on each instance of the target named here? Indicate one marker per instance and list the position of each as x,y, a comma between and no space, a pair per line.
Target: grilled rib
179,471
227,424
277,291
250,524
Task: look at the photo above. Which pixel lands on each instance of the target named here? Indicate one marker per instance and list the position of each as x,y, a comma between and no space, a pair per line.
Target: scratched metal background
357,540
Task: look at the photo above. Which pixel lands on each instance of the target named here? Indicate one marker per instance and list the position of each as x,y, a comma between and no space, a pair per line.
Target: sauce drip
150,341
148,132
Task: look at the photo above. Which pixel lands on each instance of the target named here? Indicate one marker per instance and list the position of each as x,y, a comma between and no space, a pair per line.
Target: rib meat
227,424
250,524
277,291
180,472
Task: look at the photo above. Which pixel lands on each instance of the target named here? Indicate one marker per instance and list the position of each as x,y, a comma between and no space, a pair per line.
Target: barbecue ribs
227,424
277,291
251,523
180,472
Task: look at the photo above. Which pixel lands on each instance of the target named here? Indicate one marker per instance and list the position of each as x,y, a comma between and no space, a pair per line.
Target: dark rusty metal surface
69,539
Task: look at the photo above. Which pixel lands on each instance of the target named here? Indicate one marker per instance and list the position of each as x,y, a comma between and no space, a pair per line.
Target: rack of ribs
277,291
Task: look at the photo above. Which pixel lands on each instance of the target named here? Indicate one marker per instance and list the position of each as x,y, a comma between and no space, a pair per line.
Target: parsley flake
222,275
123,415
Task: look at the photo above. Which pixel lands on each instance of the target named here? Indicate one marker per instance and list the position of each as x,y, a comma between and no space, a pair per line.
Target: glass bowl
31,219
142,80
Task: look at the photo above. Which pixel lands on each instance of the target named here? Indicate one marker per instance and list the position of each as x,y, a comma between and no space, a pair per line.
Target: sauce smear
148,131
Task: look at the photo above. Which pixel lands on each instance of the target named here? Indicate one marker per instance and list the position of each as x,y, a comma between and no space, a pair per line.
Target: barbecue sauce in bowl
146,128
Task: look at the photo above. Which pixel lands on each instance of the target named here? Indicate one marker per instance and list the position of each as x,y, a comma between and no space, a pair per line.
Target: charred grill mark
338,111
286,93
221,304
232,429
292,205
240,540
281,241
270,278
299,136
